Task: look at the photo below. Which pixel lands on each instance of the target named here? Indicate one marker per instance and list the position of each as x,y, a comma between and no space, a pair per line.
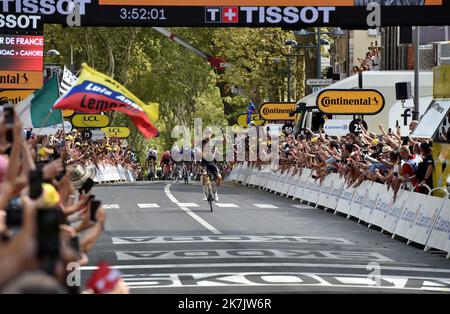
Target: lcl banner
237,13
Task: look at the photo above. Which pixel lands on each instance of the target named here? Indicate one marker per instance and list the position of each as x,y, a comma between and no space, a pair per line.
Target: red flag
104,279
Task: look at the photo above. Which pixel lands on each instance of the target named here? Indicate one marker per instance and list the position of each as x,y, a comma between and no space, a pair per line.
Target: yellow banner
441,81
90,121
116,131
242,120
441,158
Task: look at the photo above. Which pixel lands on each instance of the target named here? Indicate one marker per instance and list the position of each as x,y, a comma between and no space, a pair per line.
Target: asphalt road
164,239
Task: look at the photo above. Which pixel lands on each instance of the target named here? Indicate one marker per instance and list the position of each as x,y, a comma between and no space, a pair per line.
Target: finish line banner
238,13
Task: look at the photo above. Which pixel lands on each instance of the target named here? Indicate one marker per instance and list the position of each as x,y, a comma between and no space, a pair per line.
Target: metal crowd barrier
108,173
419,218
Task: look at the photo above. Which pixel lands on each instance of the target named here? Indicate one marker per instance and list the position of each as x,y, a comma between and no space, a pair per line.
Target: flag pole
63,156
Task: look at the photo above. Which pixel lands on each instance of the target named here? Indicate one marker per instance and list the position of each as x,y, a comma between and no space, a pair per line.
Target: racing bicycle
208,178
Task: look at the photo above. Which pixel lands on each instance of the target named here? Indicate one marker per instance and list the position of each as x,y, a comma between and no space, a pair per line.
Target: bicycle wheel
210,197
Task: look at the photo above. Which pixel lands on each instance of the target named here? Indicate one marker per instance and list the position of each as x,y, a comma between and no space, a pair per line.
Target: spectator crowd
49,218
86,152
388,158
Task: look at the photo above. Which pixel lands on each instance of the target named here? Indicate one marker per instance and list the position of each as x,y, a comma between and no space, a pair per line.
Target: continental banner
240,13
280,111
350,101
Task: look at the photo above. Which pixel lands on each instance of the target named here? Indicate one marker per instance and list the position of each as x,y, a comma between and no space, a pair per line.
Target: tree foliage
157,69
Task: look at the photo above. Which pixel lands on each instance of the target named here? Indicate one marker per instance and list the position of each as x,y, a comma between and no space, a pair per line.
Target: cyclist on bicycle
165,163
151,158
209,165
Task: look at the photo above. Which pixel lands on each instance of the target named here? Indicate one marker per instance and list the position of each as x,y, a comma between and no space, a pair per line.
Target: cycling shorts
210,167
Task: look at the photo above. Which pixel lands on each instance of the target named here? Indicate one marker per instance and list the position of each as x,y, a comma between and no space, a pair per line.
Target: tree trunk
127,57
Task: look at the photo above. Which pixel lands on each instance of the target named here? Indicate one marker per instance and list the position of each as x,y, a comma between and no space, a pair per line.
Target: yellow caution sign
116,131
350,101
90,120
277,111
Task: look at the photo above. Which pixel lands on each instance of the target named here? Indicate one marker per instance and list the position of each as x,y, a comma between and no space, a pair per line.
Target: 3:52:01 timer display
142,14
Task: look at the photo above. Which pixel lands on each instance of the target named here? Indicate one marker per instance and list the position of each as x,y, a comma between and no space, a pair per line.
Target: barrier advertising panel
440,235
425,220
413,206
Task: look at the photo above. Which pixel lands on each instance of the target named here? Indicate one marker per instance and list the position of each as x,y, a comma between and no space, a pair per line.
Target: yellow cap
51,196
314,139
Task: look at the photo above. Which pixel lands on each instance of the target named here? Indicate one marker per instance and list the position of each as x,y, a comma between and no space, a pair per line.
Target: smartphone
390,131
8,112
87,185
75,244
48,221
35,179
93,209
14,213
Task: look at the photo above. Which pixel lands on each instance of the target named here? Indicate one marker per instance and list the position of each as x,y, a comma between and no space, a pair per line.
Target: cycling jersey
152,155
209,165
166,157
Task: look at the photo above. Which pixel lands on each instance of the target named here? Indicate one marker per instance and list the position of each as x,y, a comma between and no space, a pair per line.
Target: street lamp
50,69
336,32
51,53
294,44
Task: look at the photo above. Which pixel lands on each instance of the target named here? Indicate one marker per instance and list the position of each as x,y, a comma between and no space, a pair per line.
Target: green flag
36,111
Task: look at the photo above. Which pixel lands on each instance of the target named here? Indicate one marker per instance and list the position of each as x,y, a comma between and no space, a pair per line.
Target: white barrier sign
440,236
409,215
425,220
51,130
336,127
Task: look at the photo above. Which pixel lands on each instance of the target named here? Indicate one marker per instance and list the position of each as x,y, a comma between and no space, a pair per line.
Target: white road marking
111,206
253,253
151,205
302,207
232,239
188,204
244,279
265,206
197,218
169,194
226,205
344,266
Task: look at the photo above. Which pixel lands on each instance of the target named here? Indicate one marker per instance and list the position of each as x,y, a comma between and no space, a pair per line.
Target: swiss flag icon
230,15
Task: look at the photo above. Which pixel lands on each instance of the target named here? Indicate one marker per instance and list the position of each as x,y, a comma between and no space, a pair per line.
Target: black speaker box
403,90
